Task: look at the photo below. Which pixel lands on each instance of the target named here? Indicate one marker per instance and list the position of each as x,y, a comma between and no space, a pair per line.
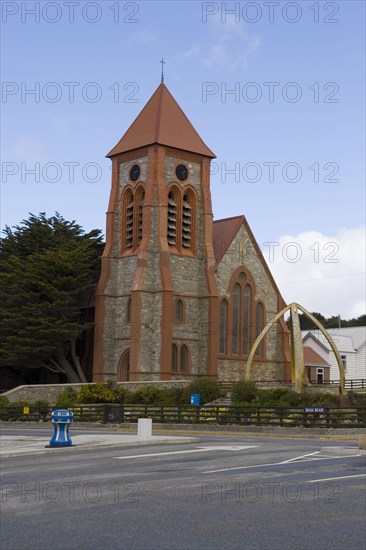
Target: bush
147,395
357,398
66,399
244,392
96,393
172,397
4,400
208,388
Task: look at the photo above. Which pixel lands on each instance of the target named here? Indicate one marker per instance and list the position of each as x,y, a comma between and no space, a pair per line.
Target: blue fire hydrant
61,420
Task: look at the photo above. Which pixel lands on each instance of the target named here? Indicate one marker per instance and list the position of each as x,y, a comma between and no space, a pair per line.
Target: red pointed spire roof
162,121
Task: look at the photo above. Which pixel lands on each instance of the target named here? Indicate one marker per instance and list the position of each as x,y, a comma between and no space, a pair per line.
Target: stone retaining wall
50,392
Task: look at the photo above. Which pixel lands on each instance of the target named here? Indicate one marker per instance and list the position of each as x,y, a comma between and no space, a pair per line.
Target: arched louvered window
172,218
129,218
181,219
187,221
223,327
140,195
132,220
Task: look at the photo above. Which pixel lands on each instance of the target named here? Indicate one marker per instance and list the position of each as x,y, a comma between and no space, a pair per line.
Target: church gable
248,300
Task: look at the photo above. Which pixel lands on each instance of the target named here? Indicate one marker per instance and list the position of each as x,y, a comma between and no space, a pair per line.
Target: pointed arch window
183,362
181,219
174,358
140,196
236,318
172,218
245,317
223,326
246,325
180,359
129,217
259,326
179,311
132,218
186,221
128,310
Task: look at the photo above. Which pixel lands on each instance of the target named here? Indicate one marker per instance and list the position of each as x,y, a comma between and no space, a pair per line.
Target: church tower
157,302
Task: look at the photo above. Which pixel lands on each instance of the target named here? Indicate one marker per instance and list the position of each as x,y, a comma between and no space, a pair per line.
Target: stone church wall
188,277
242,252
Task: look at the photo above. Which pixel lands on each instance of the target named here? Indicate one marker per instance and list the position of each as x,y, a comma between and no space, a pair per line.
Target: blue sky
289,139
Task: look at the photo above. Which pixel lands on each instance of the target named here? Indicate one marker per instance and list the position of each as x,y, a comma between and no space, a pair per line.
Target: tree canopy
49,269
331,322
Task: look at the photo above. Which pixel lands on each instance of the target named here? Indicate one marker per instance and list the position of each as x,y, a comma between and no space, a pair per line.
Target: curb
343,451
94,446
201,429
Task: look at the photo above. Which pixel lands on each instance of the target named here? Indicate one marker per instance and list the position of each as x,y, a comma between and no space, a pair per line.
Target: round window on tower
135,172
181,172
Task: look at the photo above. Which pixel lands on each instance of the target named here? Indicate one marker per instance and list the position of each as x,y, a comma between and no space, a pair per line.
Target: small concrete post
144,429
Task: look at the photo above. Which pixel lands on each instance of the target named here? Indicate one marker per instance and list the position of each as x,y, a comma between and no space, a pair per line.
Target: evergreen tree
49,269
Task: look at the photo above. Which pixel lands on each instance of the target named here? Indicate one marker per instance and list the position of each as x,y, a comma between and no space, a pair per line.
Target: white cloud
320,272
233,45
25,150
145,37
193,52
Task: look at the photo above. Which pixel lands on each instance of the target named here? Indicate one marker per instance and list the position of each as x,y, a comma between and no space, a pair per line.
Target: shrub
4,400
96,393
66,399
147,395
42,404
172,396
357,398
208,388
244,392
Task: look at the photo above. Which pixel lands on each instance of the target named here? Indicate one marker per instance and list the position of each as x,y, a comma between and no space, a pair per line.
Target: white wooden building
351,344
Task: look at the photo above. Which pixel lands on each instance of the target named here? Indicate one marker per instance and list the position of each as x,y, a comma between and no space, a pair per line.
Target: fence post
105,413
327,418
258,416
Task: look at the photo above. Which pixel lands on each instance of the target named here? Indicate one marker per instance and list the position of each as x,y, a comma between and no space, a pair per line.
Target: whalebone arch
298,374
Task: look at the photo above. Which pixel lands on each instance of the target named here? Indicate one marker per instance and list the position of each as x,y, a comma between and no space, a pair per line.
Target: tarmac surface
13,445
20,445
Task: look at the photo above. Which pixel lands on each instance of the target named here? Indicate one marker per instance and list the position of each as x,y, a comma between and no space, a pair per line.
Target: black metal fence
311,417
248,416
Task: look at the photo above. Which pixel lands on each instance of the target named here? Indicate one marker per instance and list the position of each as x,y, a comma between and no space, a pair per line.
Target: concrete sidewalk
21,445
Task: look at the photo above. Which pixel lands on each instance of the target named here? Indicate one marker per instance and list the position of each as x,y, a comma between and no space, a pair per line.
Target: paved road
225,492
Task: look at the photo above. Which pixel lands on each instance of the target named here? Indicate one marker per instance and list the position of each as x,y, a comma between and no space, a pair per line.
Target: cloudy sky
275,89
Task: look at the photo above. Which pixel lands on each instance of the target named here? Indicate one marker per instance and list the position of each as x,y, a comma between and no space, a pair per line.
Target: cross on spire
162,69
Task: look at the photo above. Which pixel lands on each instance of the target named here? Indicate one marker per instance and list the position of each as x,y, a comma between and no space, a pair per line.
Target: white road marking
299,457
334,478
199,450
284,463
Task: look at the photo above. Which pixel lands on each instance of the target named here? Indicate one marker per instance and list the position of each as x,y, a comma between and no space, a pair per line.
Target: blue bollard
61,420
